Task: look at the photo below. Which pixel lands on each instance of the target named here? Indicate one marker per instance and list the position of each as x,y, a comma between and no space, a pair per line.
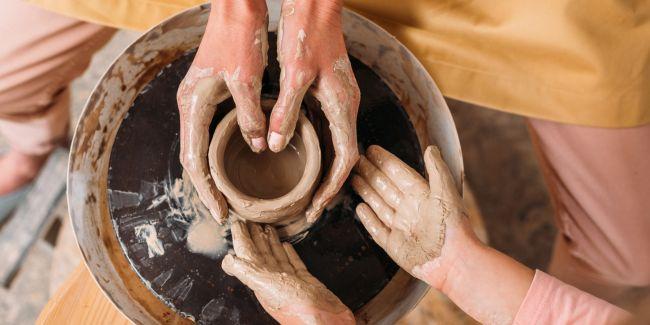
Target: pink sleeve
551,301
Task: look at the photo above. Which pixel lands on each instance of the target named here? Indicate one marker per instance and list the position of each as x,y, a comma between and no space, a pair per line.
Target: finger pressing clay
293,86
251,119
277,249
298,71
261,240
245,85
242,242
338,93
198,95
311,51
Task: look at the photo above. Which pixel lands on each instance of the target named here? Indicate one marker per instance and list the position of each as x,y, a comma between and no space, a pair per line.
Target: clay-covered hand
230,61
313,57
408,217
280,280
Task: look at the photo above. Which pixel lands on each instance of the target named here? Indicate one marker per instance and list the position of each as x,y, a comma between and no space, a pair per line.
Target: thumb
440,180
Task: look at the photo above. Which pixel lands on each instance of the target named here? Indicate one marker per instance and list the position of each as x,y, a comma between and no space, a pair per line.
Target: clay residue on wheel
204,235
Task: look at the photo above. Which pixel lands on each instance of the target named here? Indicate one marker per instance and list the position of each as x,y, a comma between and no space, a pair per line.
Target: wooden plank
31,216
27,295
81,301
66,256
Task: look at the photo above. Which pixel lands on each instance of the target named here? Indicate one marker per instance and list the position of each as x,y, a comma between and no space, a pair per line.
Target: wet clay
267,204
337,250
266,175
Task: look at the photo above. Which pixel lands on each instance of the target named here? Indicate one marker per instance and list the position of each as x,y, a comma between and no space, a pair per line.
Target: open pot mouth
265,175
303,188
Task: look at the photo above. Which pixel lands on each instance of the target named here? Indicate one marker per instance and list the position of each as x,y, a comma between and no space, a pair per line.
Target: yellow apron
573,61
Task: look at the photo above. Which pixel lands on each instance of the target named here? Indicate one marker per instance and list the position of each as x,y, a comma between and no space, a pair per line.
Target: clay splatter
207,237
123,199
149,235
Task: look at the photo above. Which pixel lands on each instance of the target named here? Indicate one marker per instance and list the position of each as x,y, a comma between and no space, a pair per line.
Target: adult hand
230,62
412,220
312,53
280,280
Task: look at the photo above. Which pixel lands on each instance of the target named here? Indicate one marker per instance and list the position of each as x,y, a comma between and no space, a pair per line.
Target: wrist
320,11
245,11
344,318
442,272
332,6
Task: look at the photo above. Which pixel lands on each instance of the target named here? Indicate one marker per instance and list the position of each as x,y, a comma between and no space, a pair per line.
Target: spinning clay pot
266,187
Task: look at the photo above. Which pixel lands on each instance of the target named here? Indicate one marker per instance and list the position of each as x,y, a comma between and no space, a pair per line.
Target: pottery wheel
154,209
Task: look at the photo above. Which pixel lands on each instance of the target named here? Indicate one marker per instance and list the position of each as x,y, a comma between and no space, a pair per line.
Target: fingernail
259,144
276,141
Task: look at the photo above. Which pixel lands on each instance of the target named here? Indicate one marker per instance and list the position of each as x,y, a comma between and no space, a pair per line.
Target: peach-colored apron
572,61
